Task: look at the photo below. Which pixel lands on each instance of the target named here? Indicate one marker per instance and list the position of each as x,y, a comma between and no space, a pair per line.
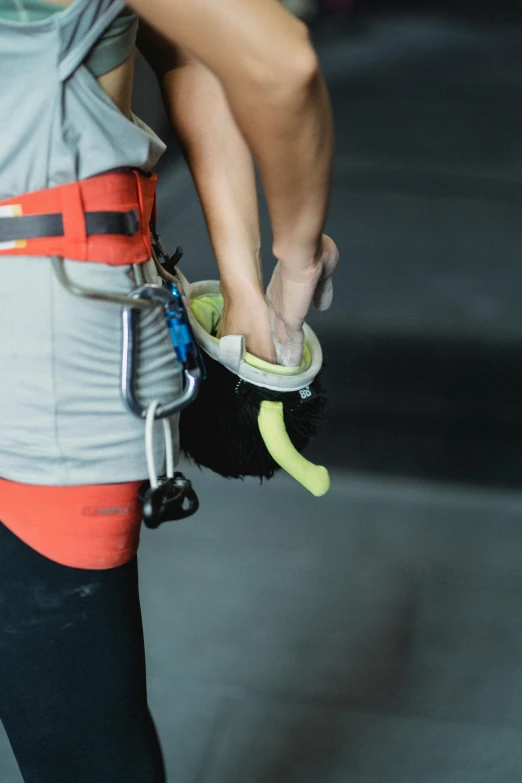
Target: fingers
288,342
289,353
289,299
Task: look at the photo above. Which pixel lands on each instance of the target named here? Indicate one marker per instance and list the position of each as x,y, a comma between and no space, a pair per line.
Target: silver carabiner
159,296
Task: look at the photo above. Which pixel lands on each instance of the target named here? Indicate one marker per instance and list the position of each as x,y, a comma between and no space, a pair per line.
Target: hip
62,420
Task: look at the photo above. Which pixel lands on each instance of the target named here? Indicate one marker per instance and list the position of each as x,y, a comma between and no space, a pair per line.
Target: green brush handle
273,431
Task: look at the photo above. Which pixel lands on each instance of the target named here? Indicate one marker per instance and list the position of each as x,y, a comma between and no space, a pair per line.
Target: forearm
291,137
263,59
223,171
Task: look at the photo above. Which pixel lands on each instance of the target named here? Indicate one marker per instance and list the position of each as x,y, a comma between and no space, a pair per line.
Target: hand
248,316
290,295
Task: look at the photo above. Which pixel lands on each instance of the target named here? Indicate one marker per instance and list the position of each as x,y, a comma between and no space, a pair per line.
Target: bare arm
223,171
268,72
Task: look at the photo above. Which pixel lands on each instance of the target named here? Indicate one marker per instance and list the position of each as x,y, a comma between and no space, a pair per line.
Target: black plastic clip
168,262
174,498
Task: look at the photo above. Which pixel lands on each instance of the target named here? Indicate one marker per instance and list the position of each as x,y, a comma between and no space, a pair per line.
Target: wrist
299,257
243,285
298,273
239,266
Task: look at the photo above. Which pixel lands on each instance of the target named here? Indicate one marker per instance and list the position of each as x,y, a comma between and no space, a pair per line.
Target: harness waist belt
103,219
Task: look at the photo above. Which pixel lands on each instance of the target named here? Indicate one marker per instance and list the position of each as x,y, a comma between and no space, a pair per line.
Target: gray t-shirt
62,421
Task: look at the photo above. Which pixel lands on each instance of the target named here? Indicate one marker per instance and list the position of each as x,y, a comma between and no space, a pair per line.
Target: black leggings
72,671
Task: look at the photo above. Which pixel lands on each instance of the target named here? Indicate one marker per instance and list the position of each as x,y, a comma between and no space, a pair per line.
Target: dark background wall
373,635
423,342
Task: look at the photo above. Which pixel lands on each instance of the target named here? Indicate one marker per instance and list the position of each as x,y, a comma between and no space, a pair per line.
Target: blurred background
374,635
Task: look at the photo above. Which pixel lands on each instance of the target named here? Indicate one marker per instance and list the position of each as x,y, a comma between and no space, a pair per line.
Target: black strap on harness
96,223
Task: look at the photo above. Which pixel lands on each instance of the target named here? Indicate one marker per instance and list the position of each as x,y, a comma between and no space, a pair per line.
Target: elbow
290,70
299,65
305,72
304,66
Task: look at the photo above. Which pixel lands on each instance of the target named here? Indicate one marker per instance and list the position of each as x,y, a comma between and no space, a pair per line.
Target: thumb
323,295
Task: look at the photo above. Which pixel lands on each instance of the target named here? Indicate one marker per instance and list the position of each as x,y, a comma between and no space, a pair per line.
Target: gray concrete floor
369,636
372,636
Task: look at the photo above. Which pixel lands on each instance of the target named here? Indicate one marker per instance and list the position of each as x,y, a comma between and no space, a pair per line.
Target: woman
72,676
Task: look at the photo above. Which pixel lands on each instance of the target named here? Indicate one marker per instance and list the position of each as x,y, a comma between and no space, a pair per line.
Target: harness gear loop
58,264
